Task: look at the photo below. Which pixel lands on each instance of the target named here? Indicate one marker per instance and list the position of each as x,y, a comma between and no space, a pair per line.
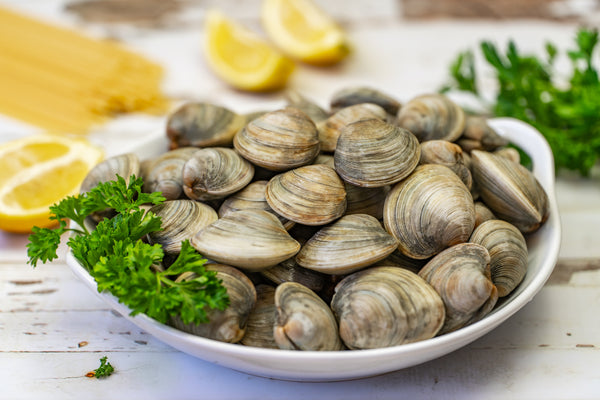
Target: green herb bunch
121,262
566,112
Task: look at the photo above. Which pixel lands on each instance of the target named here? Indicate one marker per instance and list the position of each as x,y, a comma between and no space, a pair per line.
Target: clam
215,172
351,243
428,211
310,195
228,325
329,129
279,140
165,173
509,152
482,213
449,154
365,200
249,239
123,165
508,253
304,321
510,190
203,125
361,94
374,153
461,276
397,259
386,306
432,116
251,197
309,107
289,271
181,220
259,327
478,135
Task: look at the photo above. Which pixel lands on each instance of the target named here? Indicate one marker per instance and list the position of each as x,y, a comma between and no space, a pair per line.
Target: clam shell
259,327
214,173
329,129
374,153
448,154
432,116
251,197
461,276
279,140
290,271
478,135
362,94
397,259
309,107
203,125
123,165
228,325
351,243
248,239
165,173
510,190
482,213
386,306
364,200
428,211
310,195
304,321
508,253
181,220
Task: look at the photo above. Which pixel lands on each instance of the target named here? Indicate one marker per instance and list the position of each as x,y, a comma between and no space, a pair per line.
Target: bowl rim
527,138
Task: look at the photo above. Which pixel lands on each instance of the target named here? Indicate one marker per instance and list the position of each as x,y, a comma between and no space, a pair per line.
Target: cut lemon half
303,31
37,172
241,58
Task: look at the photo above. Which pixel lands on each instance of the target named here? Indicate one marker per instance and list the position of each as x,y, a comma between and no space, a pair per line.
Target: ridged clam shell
482,213
309,107
508,253
203,125
304,321
228,325
386,306
165,174
251,197
259,328
364,200
310,195
461,276
351,243
448,154
361,94
432,116
248,239
279,140
123,165
478,135
329,129
510,190
290,271
214,173
374,153
181,220
397,259
428,211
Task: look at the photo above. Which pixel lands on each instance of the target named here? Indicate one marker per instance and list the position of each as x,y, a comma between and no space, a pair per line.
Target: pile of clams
368,225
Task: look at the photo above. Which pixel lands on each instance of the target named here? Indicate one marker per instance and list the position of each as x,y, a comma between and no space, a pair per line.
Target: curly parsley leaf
104,370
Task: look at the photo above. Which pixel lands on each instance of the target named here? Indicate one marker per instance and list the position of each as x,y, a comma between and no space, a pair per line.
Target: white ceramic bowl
329,366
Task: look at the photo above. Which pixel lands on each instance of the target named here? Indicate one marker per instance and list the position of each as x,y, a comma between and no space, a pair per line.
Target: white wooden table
53,330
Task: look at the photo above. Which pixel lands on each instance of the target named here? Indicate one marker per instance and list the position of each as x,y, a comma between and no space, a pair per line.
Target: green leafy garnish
104,370
566,112
121,262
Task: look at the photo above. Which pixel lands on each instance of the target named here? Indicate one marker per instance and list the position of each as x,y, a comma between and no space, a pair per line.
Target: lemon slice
242,58
38,171
303,31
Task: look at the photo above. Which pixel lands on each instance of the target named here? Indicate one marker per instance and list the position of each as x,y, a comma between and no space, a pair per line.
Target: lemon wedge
303,31
38,171
241,58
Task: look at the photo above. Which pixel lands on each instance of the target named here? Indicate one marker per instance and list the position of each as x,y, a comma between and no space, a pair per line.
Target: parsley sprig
121,262
104,370
565,111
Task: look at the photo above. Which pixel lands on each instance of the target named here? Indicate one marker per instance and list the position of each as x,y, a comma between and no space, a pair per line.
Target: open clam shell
386,306
304,321
374,153
248,239
351,243
508,253
461,276
310,195
510,190
428,211
214,173
279,140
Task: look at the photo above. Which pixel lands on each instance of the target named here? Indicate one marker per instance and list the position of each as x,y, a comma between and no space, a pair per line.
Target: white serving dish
330,366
